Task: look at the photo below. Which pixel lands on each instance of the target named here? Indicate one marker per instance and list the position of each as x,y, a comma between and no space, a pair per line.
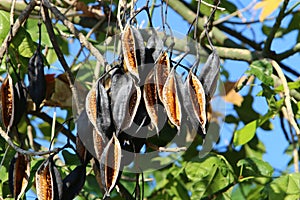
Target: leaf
285,187
231,95
263,70
4,25
268,7
171,100
110,164
19,174
257,168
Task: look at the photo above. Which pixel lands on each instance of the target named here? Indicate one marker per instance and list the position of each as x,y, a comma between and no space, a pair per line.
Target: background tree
70,44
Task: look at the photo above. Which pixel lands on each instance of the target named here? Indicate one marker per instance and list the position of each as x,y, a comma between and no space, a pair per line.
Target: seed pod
73,183
99,143
209,74
196,95
8,101
81,151
110,164
133,50
154,45
162,70
20,101
36,78
171,101
19,173
152,102
98,108
125,99
48,181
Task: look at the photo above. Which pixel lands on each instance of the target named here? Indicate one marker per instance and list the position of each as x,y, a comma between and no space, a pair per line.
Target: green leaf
263,70
70,159
256,168
285,187
4,25
291,85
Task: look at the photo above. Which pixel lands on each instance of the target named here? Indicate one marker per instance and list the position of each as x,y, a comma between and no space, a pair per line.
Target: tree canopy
131,99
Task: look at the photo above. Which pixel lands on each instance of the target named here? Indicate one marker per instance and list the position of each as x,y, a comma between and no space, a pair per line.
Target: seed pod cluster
143,92
13,101
19,173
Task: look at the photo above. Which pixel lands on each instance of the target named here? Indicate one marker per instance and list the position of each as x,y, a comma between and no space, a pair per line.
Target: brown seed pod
110,164
196,95
171,100
162,70
81,151
133,50
99,143
152,102
48,181
209,74
8,101
125,99
19,174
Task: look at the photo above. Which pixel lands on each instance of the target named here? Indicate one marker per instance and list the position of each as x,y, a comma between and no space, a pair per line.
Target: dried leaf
19,174
162,70
73,183
133,50
36,78
152,102
171,100
8,101
125,99
209,75
110,164
231,95
268,6
48,181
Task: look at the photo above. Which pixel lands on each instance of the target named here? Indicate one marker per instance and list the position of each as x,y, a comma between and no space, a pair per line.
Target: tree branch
21,19
289,52
275,28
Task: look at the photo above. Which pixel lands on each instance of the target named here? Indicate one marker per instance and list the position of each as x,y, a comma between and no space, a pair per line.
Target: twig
172,150
76,32
212,6
289,111
22,151
21,19
276,26
60,56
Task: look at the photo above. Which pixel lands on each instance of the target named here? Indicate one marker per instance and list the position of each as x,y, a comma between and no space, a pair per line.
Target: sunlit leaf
268,7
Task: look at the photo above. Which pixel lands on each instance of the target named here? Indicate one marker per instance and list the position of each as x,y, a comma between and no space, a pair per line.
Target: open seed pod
73,183
110,164
162,70
36,78
152,102
125,99
133,50
195,102
48,181
8,101
171,100
209,74
19,173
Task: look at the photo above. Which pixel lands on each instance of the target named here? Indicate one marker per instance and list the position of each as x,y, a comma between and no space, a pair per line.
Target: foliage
236,171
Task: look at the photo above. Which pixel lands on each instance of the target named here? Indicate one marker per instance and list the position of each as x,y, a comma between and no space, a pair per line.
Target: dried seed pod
73,183
171,100
152,102
19,174
110,164
154,46
133,50
20,101
48,181
8,101
196,95
81,151
125,99
98,108
209,74
99,143
162,70
36,78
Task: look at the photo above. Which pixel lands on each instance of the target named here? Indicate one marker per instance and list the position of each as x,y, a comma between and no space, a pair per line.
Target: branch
61,58
238,54
22,151
21,19
275,28
289,52
83,41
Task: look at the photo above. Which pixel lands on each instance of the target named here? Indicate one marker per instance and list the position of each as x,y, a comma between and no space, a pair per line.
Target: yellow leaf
231,96
268,7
